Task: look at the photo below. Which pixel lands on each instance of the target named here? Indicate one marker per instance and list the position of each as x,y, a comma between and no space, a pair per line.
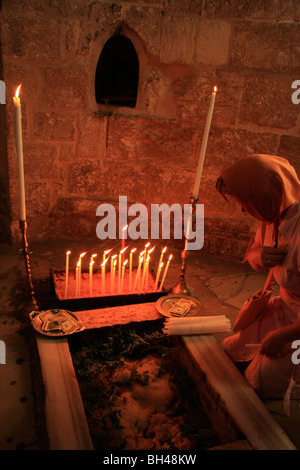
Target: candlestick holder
181,287
25,251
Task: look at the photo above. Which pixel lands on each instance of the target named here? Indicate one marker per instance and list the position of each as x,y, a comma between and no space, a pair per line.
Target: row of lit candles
118,267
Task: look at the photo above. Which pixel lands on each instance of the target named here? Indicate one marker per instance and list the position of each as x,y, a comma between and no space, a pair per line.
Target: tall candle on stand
165,273
67,273
204,143
19,148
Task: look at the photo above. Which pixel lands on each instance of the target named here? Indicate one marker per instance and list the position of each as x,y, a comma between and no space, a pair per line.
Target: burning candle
141,287
112,260
77,278
204,144
137,277
157,276
104,255
130,268
67,273
103,276
19,148
124,236
120,268
123,274
79,271
91,276
162,255
112,279
165,273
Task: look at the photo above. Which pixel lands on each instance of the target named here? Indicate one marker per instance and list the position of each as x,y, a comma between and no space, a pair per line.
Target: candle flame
107,251
125,227
124,249
161,265
82,254
150,251
104,263
92,262
113,257
125,262
163,251
215,88
133,250
18,92
68,253
115,262
170,257
146,246
78,264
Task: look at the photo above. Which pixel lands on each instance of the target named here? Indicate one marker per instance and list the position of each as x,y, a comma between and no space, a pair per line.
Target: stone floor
221,287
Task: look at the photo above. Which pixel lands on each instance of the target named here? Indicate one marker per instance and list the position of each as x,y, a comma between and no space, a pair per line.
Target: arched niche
117,73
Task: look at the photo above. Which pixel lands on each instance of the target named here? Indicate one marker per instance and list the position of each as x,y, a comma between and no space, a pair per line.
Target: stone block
266,102
65,87
91,140
266,46
41,42
85,177
289,148
178,39
146,22
273,9
54,126
213,42
40,161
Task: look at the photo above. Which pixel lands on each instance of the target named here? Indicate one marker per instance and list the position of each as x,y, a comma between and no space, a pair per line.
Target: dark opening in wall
117,73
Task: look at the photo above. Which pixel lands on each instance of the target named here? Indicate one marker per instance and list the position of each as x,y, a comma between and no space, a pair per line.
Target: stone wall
79,154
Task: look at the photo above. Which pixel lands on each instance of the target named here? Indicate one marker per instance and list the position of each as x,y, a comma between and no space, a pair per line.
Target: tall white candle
204,144
19,148
67,273
137,277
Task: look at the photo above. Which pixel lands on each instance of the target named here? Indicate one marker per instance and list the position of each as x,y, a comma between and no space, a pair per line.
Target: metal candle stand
25,251
181,287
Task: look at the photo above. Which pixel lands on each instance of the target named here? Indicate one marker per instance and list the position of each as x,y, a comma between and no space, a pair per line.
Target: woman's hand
274,344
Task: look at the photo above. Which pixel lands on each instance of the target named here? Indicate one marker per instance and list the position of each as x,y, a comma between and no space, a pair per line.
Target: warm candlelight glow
18,92
112,279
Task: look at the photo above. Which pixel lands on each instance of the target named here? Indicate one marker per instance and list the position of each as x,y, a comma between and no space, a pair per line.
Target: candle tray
96,299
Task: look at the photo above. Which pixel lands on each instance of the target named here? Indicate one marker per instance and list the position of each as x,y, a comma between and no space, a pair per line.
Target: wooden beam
238,399
66,420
